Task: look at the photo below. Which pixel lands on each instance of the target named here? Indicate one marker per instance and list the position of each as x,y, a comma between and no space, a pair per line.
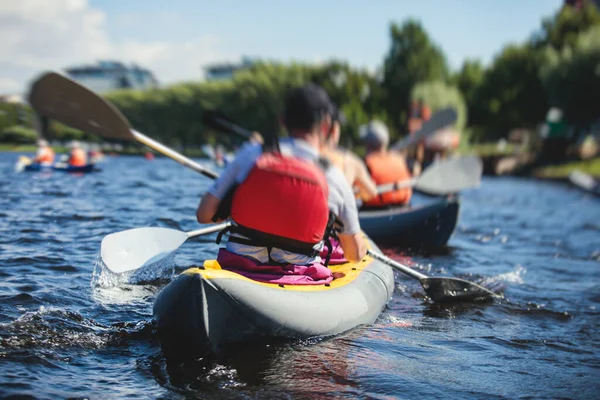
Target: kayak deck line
212,270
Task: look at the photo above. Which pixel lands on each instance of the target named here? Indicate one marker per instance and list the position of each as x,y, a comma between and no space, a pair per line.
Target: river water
68,330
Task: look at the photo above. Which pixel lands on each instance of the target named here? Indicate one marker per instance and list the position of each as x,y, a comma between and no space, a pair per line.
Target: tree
511,94
412,58
468,80
564,27
571,78
438,95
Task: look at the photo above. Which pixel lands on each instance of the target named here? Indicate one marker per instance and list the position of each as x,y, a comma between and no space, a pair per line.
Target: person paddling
353,167
77,156
283,200
385,166
45,154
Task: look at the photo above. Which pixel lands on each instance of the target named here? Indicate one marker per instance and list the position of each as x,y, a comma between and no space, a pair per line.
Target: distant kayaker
282,201
353,167
77,156
385,166
45,154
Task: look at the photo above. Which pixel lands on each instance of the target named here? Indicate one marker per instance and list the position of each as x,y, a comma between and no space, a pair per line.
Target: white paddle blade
132,249
583,180
451,176
439,120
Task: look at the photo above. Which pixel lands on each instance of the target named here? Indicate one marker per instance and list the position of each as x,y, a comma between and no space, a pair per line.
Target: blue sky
176,38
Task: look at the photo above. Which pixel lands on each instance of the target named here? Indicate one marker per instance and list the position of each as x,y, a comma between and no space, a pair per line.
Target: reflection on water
70,328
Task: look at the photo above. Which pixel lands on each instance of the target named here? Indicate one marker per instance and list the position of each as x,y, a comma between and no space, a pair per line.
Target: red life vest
282,203
388,168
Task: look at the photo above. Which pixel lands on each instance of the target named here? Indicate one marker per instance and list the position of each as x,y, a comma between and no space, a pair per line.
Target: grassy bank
562,171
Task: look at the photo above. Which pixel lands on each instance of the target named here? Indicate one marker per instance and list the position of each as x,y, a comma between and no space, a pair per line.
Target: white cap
74,144
42,142
375,133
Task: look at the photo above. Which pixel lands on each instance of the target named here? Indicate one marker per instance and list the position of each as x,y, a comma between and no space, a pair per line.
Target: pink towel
313,274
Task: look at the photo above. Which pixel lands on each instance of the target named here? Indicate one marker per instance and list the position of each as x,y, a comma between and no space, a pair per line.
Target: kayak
58,167
428,224
206,309
585,182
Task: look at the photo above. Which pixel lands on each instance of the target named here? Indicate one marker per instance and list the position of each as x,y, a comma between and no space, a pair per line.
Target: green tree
438,95
564,27
468,79
511,94
412,58
571,78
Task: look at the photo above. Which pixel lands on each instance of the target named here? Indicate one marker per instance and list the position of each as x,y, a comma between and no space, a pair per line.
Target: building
226,70
105,76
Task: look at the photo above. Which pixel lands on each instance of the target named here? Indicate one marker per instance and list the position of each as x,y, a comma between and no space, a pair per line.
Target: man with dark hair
284,198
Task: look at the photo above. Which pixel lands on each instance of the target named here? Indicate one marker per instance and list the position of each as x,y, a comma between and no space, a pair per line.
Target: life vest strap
253,237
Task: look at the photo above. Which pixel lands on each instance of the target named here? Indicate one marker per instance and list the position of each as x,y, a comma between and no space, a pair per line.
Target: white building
226,70
105,76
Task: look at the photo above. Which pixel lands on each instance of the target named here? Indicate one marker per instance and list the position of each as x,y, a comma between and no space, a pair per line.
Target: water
68,329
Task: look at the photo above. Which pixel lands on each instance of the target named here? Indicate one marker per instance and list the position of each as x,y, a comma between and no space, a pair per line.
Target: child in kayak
385,166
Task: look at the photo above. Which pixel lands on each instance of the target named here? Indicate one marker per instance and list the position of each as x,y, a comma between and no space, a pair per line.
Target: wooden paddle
55,96
107,121
443,177
132,249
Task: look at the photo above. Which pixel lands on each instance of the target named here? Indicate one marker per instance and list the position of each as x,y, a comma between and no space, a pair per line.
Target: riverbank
129,151
562,171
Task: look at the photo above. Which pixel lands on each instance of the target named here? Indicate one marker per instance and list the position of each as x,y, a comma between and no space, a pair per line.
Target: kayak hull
82,169
428,225
204,310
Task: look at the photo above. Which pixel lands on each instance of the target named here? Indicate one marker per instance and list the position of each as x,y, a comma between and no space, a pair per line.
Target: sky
176,38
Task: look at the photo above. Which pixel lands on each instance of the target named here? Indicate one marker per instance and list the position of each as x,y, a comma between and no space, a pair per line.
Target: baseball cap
305,106
375,133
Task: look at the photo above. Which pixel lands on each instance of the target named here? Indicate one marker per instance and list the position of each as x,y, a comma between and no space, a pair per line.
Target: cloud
54,34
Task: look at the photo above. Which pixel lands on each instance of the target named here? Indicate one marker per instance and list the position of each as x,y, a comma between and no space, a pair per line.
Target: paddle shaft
389,187
397,266
207,230
180,158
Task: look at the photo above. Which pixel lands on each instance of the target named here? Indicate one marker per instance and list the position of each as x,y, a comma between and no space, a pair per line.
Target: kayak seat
283,274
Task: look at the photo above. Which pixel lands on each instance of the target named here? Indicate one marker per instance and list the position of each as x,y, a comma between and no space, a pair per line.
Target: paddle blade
57,97
439,120
132,249
583,180
451,176
441,290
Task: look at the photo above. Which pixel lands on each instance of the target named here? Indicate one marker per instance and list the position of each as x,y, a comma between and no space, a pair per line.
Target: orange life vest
78,158
45,155
282,203
425,113
388,168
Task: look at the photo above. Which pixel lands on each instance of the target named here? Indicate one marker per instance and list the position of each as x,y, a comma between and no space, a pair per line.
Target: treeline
557,66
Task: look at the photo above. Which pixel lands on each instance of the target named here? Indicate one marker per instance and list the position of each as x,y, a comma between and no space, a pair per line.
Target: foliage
511,93
438,95
562,29
571,78
18,134
412,59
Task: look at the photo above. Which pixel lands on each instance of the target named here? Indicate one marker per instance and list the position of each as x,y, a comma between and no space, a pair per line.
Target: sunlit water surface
70,329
